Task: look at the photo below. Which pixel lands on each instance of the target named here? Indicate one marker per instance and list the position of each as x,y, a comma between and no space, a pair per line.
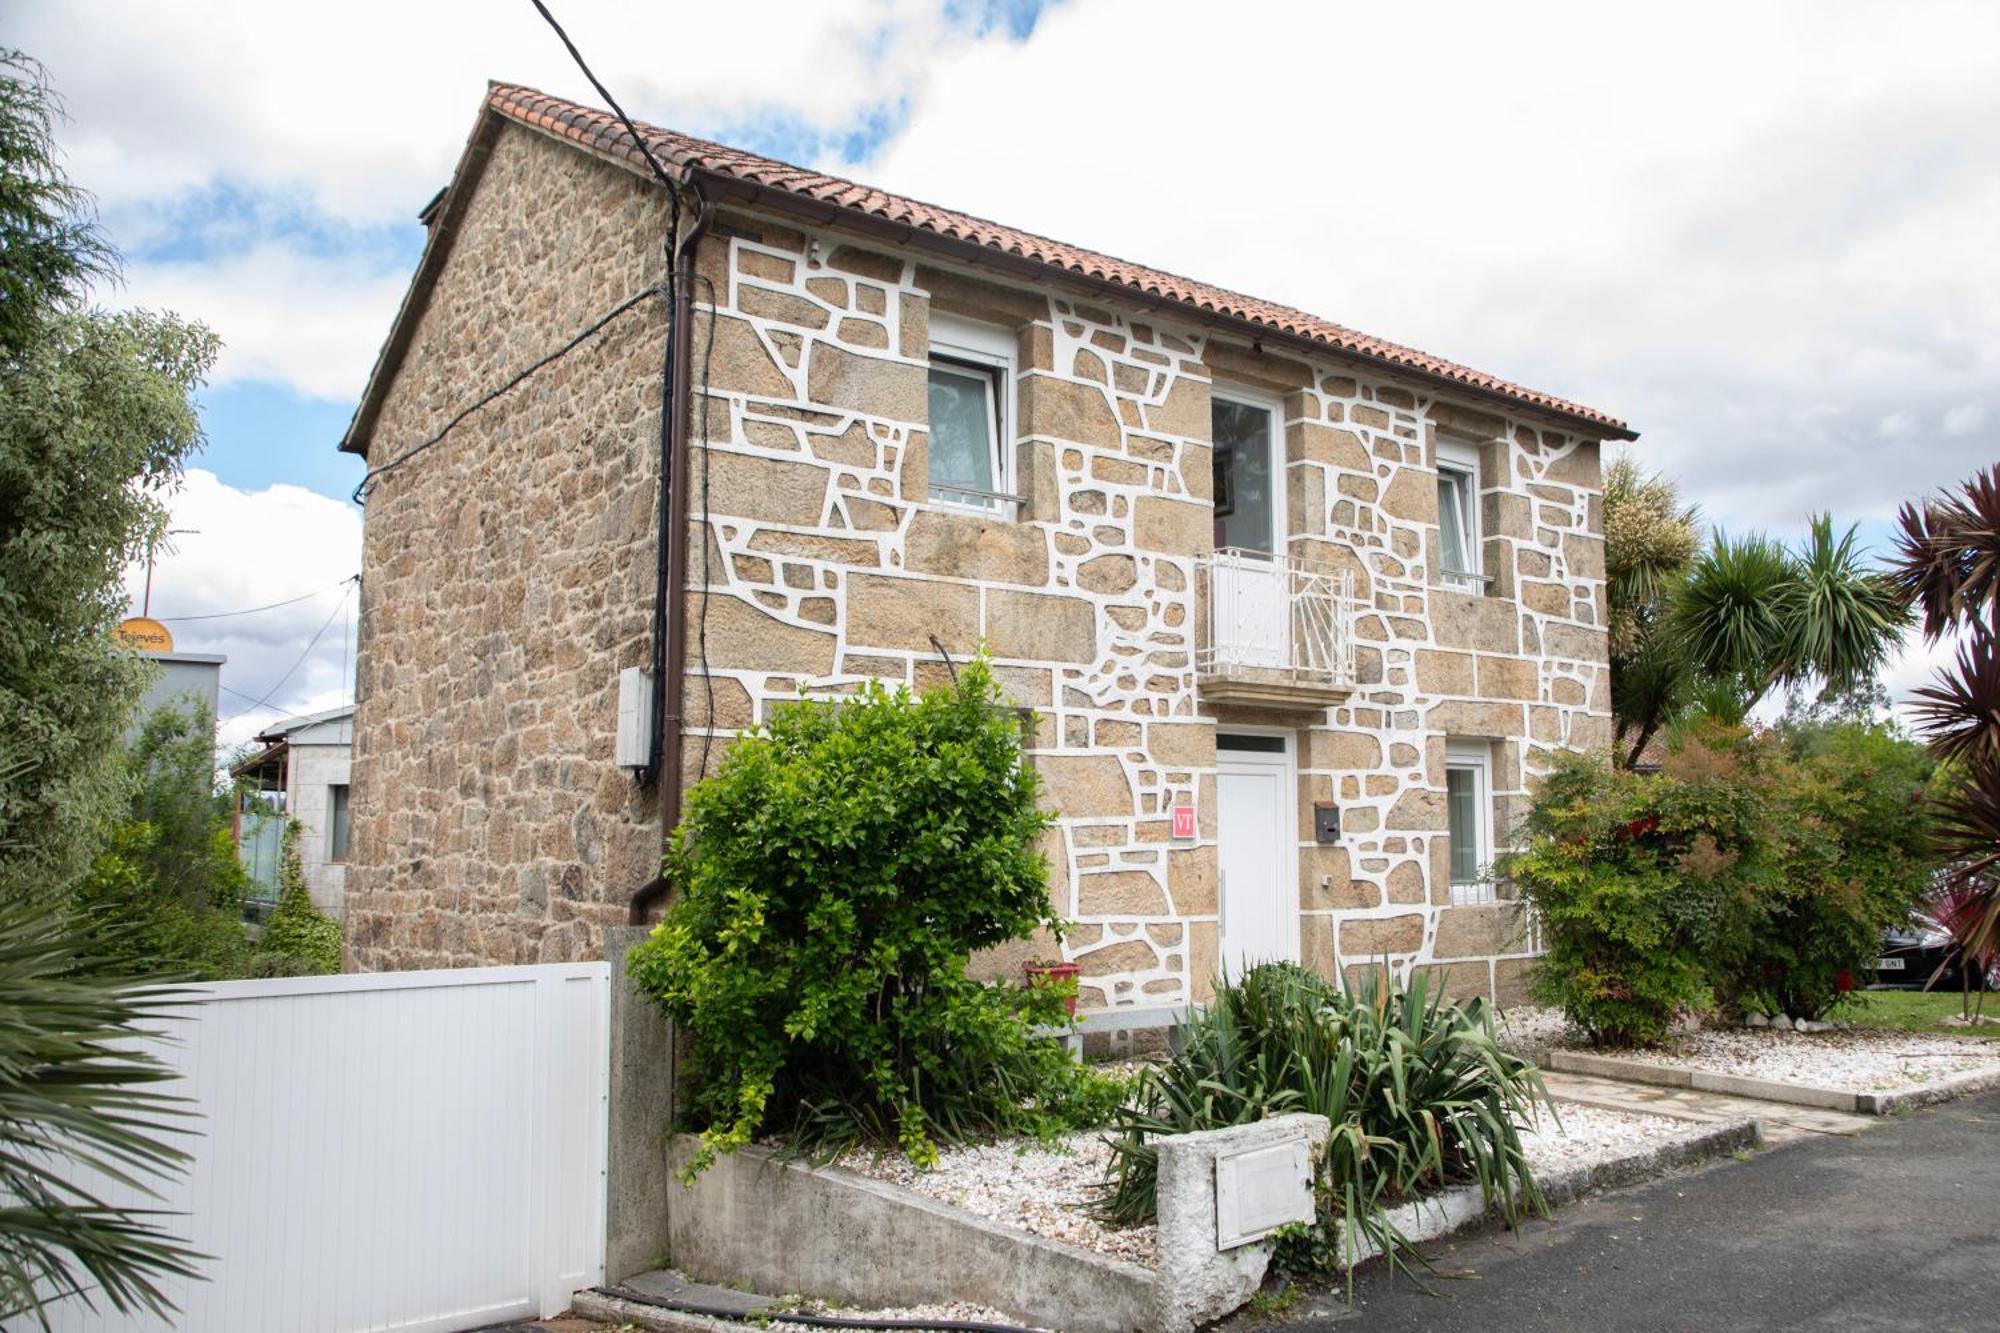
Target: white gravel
1588,1135
1047,1191
1868,1060
958,1311
1530,1031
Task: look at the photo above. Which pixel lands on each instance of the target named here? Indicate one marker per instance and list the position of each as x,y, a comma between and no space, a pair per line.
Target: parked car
1913,954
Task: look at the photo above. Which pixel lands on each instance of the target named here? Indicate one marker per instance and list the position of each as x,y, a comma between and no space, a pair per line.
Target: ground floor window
336,837
1468,799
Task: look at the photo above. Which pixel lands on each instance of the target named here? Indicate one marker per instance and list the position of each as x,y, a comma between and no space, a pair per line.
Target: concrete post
639,1120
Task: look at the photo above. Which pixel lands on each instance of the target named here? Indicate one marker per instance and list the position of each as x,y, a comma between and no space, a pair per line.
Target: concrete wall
311,773
640,1190
180,676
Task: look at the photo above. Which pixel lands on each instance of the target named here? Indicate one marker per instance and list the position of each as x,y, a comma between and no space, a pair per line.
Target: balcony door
1252,621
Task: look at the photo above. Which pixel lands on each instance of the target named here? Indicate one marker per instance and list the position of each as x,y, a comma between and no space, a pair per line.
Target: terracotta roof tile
602,131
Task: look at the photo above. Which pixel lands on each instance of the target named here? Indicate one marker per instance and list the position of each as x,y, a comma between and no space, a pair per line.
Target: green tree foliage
1418,1091
834,878
1755,870
299,939
96,418
74,1089
170,876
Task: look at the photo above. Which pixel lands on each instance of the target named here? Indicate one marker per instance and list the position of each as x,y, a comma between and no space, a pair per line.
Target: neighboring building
911,424
180,676
301,771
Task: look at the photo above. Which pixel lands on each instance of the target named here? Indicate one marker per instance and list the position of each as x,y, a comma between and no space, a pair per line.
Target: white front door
1256,832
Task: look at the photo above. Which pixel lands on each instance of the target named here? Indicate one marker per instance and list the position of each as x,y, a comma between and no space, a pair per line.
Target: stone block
1513,982
1466,620
972,546
1041,627
1086,785
1369,937
1459,981
1308,441
1467,717
1411,495
1107,574
887,612
1191,880
1120,893
741,363
1509,678
1341,892
874,386
1059,409
745,638
768,490
1185,412
1479,931
1444,673
1182,744
1173,527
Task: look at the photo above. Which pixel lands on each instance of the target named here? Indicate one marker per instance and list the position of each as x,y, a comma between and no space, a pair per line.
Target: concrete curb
1461,1206
1770,1090
1908,1099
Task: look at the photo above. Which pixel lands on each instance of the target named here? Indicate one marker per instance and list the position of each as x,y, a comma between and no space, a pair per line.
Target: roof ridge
593,127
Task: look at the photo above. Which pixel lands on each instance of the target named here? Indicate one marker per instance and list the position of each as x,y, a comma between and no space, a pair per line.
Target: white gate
400,1150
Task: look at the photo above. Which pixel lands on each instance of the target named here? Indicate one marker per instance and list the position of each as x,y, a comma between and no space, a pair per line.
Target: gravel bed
1588,1135
1530,1031
958,1311
1047,1191
1861,1060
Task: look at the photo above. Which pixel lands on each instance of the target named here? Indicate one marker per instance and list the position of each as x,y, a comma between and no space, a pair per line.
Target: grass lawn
1916,1011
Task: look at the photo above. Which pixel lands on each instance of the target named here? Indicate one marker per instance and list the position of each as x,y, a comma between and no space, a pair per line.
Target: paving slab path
1783,1122
1895,1228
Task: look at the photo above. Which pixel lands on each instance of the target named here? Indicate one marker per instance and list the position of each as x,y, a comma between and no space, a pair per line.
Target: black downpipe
670,593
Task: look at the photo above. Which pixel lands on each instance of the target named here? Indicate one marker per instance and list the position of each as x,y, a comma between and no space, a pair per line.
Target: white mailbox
1261,1189
633,747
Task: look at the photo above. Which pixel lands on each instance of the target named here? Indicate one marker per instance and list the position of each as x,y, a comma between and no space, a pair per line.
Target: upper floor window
1458,515
1246,471
971,413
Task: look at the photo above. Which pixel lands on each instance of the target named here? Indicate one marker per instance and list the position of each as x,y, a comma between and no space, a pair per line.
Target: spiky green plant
1418,1090
82,1111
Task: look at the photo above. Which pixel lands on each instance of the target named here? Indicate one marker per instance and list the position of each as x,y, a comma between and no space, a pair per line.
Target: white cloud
1757,232
310,321
248,549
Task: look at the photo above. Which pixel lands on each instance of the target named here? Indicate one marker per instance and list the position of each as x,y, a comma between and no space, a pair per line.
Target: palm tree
80,1109
1650,539
1949,564
1755,616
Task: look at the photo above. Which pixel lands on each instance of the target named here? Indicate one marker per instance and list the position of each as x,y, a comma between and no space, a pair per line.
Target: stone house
1300,612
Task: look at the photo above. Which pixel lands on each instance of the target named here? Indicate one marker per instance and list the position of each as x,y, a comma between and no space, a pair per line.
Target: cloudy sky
1762,233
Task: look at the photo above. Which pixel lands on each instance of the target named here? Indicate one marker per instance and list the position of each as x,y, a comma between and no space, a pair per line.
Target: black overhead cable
588,332
638,140
273,691
271,606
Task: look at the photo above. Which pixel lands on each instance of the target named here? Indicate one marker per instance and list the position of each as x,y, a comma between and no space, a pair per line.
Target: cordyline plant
1949,565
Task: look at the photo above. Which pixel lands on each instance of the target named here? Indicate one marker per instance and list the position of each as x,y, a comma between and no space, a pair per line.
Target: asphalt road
1894,1228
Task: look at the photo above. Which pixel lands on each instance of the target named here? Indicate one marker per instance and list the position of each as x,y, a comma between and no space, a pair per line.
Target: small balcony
1274,631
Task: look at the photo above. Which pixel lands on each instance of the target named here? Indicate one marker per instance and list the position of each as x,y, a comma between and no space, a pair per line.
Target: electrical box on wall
634,746
1326,822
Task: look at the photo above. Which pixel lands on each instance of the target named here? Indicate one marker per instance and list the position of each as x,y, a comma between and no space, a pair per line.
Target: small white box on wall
634,745
1258,1191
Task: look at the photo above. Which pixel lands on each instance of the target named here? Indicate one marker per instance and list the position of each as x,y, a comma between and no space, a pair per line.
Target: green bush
834,878
1418,1091
1630,875
1848,833
299,940
1753,871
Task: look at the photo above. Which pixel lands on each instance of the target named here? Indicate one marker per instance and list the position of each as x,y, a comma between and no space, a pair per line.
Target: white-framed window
1458,515
1468,808
1248,469
971,414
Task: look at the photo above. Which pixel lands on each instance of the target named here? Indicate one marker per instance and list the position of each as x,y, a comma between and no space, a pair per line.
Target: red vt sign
1183,821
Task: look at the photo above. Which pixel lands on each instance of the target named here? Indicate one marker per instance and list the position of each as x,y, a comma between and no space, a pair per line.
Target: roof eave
449,208
722,187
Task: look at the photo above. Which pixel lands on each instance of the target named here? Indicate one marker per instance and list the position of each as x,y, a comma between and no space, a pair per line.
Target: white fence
405,1150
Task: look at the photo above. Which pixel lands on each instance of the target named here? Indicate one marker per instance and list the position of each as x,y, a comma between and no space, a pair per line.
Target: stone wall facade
496,830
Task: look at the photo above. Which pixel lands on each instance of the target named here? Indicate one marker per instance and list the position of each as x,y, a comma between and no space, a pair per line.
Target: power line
583,336
251,611
272,692
638,139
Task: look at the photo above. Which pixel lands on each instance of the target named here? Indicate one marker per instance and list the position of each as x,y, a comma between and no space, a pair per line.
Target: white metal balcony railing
1277,613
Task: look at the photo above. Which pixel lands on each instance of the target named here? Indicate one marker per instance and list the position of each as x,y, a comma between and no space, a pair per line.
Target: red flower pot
1041,974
